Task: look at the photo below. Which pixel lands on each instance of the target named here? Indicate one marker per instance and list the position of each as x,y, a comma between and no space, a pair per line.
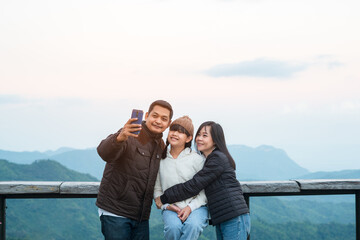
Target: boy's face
158,119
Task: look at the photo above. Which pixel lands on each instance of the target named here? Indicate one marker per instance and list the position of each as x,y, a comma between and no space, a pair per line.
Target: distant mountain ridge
264,163
344,174
260,163
40,170
83,160
58,151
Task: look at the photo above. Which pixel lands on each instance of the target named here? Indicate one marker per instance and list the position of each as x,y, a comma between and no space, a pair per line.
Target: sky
279,73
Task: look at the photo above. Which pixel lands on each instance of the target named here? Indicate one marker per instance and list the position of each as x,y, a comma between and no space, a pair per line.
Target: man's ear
146,115
189,138
168,124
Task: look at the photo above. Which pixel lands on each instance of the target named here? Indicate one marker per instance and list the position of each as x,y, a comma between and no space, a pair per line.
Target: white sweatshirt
173,171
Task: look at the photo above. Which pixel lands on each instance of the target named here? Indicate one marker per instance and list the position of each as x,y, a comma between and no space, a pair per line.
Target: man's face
158,119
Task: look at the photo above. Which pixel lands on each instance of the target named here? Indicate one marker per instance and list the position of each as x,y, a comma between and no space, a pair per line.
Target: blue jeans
121,228
237,228
192,228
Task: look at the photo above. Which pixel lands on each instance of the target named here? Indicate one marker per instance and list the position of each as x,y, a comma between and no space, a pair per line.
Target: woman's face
204,141
177,139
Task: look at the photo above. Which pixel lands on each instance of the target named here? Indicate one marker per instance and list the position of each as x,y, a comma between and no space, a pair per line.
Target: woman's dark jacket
223,191
127,186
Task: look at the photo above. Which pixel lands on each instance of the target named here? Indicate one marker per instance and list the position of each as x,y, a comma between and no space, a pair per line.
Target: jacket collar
213,151
146,135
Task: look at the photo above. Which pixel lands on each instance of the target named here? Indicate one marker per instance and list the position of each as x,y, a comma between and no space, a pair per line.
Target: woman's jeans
174,229
237,228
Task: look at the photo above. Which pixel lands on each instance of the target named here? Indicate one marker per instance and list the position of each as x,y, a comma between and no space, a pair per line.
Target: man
132,162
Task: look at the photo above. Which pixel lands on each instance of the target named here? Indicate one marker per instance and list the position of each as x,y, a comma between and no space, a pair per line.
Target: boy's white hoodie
173,171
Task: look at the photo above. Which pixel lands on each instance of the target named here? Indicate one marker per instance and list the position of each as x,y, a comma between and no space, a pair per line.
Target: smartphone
139,115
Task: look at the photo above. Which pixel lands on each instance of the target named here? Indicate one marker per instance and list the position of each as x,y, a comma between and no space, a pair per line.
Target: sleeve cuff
114,139
164,199
164,206
193,206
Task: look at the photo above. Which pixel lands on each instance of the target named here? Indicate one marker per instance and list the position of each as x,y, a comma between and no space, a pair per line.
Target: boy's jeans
190,229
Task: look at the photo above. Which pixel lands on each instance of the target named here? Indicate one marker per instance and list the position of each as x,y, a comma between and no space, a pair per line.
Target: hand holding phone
132,127
139,115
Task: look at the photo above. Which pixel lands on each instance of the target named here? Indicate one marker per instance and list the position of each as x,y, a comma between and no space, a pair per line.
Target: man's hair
163,104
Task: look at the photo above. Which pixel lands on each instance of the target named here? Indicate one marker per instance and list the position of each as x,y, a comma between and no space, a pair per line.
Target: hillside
48,218
40,170
77,218
84,160
260,163
22,157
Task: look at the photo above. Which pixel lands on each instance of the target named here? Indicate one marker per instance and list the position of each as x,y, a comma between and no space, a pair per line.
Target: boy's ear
189,138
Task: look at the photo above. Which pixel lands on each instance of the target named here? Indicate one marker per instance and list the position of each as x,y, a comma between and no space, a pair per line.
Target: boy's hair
163,104
180,129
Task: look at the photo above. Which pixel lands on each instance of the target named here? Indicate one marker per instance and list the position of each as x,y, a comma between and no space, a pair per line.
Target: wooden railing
16,189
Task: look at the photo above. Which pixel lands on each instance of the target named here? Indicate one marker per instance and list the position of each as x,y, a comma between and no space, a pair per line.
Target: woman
184,219
228,210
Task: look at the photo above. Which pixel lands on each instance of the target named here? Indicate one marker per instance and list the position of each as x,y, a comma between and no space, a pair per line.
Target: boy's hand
127,130
158,202
174,208
184,213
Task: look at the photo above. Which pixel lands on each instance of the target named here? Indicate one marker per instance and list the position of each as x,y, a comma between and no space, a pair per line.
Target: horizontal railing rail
58,189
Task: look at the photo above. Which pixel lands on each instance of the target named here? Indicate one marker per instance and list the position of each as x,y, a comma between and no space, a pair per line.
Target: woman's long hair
180,129
218,137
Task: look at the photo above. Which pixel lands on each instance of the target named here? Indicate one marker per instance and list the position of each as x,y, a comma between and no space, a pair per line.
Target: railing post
357,209
2,217
247,200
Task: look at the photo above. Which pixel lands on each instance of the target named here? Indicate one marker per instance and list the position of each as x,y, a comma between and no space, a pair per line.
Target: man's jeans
237,228
121,228
191,229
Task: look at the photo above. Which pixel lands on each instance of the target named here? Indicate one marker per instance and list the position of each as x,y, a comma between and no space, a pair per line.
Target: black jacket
127,185
222,189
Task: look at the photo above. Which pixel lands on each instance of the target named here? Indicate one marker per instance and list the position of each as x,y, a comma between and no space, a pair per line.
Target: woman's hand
184,213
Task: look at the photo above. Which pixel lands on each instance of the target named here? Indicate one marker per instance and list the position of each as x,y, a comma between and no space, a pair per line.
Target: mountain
22,157
264,163
84,160
58,151
260,163
40,170
344,174
77,218
282,210
48,218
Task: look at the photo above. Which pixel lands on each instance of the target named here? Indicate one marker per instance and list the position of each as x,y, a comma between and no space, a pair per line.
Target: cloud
7,99
257,68
329,61
334,64
10,99
347,107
